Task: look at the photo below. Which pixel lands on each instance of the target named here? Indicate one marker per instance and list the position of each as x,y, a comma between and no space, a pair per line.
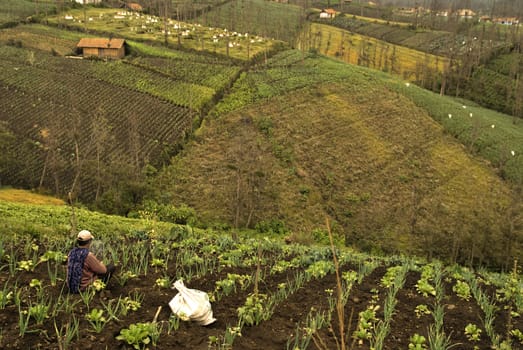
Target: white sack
191,305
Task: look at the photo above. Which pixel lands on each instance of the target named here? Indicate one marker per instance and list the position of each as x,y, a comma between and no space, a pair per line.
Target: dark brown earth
277,333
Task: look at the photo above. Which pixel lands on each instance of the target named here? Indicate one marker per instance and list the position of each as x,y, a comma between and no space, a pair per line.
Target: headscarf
75,266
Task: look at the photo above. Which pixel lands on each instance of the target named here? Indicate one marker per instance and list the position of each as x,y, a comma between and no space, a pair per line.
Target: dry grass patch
27,197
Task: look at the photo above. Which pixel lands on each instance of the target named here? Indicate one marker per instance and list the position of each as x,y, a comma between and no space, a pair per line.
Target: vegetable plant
140,335
417,342
96,319
421,309
462,289
252,312
472,332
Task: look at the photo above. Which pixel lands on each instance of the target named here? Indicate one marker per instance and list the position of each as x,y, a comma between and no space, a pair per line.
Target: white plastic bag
191,305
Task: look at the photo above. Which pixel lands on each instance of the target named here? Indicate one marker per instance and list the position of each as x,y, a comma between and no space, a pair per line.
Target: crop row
248,291
215,76
37,99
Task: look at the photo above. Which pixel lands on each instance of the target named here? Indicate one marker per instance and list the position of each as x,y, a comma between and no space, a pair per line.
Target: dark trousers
107,276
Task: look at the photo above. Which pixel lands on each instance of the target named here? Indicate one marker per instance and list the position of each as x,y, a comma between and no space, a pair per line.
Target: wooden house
506,20
465,13
102,47
88,2
133,6
328,13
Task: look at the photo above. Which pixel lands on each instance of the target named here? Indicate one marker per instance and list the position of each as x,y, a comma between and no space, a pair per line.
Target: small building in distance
328,13
88,2
102,47
133,6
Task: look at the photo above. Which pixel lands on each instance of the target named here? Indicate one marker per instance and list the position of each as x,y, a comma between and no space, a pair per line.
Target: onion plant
23,320
6,295
40,311
302,337
54,260
87,296
66,333
395,281
487,305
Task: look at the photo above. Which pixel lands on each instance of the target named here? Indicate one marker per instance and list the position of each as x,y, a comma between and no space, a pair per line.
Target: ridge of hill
315,138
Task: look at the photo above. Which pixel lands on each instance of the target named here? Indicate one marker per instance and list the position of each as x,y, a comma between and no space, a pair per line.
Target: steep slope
340,144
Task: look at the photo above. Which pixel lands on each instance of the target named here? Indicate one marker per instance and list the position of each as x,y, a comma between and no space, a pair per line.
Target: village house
87,2
509,21
465,13
328,13
133,6
102,47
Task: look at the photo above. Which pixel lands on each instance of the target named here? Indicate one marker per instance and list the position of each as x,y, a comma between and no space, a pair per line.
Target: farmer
83,268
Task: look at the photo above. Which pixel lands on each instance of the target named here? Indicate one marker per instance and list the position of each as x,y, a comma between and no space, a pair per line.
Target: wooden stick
157,313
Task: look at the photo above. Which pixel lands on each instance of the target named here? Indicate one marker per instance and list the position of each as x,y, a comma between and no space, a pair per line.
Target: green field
12,11
367,51
147,28
266,18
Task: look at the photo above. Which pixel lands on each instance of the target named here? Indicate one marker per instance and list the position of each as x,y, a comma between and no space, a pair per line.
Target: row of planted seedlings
500,297
226,282
36,300
215,264
377,320
311,311
326,327
360,321
270,285
31,287
446,317
417,321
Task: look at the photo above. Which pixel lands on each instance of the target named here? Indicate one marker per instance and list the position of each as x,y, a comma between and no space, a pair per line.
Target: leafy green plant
388,279
96,319
98,285
472,332
417,342
366,321
319,269
163,282
252,312
462,289
25,265
421,310
516,333
132,303
140,335
425,288
39,312
6,296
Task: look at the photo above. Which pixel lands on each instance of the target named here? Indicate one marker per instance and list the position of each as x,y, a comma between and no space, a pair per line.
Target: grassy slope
266,18
343,145
45,218
350,47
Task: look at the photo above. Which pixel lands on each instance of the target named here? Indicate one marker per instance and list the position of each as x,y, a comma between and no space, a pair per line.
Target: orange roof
330,11
134,6
102,43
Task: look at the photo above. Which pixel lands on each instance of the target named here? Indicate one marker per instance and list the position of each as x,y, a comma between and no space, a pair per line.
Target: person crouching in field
83,268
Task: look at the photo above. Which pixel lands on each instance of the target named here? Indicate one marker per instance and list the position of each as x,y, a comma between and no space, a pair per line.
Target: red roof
101,43
134,6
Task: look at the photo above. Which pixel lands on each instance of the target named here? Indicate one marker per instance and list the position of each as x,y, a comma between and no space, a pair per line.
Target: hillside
89,126
286,141
323,139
